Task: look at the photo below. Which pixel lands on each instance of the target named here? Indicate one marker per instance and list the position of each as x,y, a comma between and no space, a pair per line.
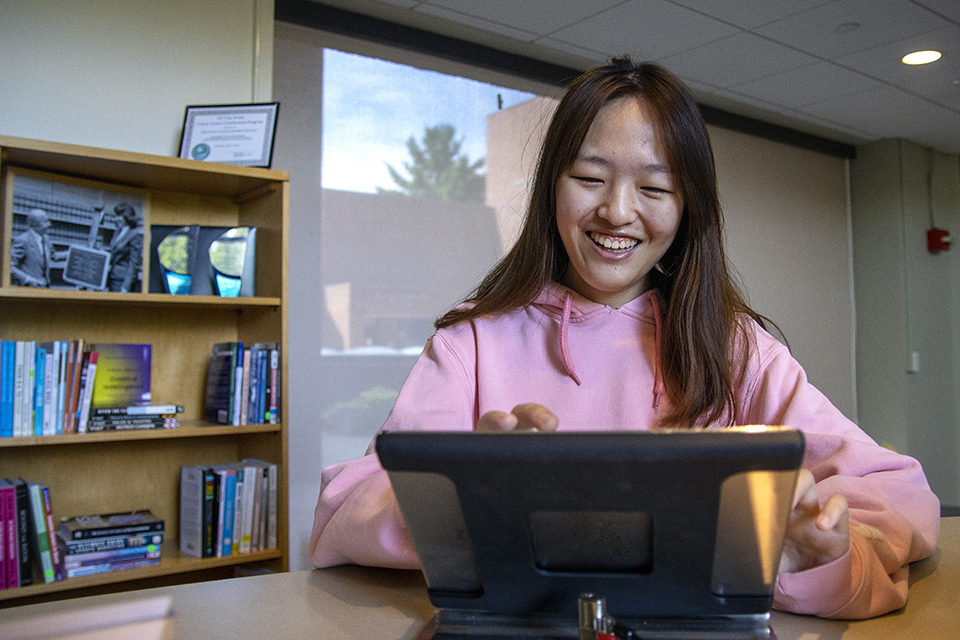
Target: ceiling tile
648,29
751,13
814,83
888,112
478,23
880,21
542,17
736,60
949,9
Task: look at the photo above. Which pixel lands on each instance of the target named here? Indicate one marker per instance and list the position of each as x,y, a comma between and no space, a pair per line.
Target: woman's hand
524,417
815,536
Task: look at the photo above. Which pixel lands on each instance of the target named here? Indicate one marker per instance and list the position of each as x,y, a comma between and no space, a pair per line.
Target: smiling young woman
615,311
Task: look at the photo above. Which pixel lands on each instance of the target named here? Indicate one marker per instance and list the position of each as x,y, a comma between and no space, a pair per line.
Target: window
422,191
372,266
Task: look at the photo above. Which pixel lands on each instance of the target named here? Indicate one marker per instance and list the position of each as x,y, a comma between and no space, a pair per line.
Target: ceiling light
921,57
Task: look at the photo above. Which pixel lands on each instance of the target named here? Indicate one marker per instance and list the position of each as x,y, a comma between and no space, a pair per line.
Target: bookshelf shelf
140,469
159,299
187,429
171,564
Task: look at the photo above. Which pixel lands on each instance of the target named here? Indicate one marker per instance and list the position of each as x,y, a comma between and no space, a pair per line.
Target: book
39,376
77,560
236,397
51,533
51,349
8,350
247,503
138,410
39,538
274,407
86,393
110,543
244,388
111,566
227,478
210,499
221,376
269,518
74,369
110,524
121,423
23,530
29,384
123,375
191,511
62,390
4,541
9,563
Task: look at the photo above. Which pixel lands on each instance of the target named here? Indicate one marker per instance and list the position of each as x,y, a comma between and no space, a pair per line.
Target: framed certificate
239,134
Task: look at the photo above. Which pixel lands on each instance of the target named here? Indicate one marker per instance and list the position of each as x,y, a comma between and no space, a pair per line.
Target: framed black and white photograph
238,134
69,233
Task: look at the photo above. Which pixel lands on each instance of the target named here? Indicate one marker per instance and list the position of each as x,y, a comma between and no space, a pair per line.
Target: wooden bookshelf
118,471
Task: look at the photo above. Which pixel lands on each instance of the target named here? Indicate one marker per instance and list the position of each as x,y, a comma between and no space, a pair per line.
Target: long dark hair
703,345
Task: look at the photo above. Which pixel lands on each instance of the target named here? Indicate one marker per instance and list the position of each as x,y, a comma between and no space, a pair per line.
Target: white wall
119,73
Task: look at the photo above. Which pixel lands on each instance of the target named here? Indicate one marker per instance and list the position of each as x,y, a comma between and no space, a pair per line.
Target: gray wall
908,305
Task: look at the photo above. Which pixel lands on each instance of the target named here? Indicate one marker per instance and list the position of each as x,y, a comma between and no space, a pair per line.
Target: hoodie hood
568,306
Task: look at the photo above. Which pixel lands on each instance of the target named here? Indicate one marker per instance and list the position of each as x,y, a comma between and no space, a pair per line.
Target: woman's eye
588,179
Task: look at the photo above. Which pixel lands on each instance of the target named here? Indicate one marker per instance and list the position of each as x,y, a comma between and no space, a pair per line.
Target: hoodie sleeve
357,519
894,516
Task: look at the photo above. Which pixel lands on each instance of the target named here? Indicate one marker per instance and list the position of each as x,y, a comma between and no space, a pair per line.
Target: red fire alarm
938,240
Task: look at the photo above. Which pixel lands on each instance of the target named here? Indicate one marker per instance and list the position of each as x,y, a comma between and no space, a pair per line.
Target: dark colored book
23,530
221,378
120,423
39,538
123,374
211,490
9,565
110,543
110,524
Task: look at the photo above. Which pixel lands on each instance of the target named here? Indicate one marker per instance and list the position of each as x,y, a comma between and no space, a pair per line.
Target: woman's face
617,208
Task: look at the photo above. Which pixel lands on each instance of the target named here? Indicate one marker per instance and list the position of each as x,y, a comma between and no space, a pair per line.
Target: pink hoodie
597,369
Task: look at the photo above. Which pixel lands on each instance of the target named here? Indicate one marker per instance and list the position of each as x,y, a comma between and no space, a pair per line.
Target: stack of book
28,538
243,384
109,542
150,416
228,509
73,386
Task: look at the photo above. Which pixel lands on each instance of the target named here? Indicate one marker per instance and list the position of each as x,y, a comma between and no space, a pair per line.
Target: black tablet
678,523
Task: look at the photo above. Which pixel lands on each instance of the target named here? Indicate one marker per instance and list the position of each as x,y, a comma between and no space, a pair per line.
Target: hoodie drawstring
658,388
564,346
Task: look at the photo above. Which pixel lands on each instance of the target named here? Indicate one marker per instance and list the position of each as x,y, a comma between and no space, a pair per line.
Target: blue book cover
7,359
229,498
39,369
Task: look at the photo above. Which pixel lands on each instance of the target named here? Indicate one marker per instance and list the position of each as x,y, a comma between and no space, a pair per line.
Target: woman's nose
620,206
